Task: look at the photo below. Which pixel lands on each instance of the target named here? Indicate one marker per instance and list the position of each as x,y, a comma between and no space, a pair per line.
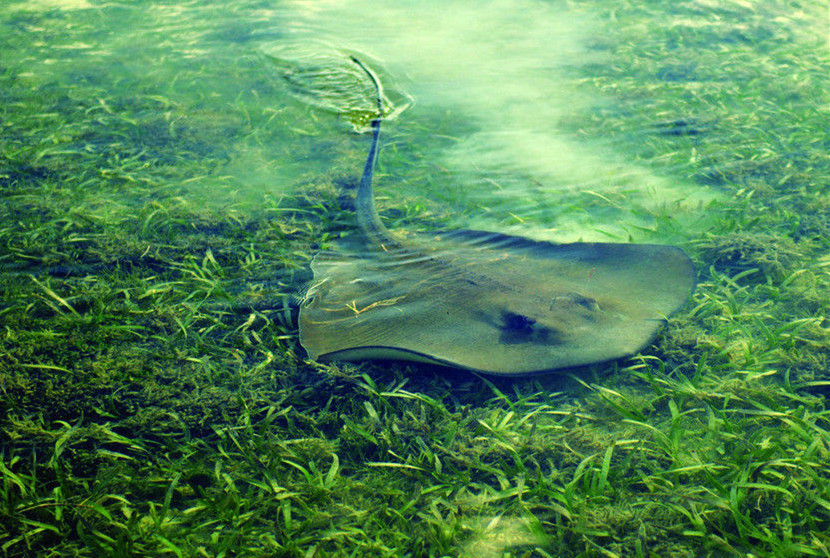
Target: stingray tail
375,82
367,215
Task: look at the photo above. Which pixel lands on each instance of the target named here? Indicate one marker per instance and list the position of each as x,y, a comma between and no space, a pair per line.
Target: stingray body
483,301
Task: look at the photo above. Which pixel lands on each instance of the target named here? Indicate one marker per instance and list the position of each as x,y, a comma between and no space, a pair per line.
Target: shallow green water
500,93
161,188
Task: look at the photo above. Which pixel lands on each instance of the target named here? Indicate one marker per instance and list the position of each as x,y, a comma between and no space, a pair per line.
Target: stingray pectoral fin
506,305
382,353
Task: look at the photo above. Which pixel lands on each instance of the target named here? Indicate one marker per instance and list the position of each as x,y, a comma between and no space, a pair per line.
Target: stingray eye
586,302
574,299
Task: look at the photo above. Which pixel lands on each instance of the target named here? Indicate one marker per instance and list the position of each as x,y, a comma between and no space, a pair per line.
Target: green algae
155,402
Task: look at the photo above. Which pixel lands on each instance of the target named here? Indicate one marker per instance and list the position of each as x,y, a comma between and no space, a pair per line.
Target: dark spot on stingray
517,323
518,328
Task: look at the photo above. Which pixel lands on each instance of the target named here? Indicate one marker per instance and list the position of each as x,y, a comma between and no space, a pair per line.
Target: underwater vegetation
155,401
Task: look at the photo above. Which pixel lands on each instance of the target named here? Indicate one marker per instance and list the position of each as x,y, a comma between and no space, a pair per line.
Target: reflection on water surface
501,93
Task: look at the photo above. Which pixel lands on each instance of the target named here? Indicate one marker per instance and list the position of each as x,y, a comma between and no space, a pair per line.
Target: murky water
510,127
526,117
499,92
500,80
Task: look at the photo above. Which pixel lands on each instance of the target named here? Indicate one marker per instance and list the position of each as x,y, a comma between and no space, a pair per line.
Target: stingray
484,301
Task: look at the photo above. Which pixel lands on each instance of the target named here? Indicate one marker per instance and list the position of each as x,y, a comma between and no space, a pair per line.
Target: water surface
495,135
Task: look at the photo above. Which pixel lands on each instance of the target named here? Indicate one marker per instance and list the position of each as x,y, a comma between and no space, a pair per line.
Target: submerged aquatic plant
153,403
